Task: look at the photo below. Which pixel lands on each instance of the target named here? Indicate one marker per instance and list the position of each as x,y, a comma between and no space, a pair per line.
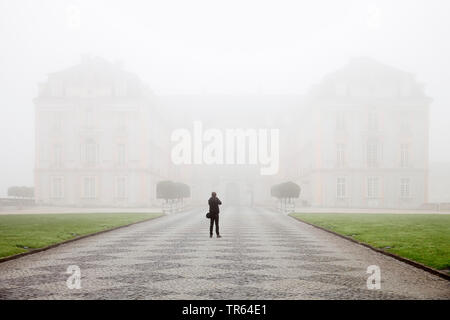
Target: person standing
214,204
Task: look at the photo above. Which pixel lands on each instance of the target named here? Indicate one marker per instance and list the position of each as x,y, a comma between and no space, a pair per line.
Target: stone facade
363,139
357,139
99,138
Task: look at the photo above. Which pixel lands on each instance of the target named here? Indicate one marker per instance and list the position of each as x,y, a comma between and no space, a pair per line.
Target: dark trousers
214,219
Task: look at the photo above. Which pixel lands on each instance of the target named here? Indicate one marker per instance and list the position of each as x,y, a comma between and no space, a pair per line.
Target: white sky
215,47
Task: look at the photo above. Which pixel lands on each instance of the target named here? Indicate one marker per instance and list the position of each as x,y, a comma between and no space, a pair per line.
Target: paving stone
262,255
139,278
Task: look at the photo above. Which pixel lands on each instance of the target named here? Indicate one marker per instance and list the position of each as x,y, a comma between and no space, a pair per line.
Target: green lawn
424,238
40,230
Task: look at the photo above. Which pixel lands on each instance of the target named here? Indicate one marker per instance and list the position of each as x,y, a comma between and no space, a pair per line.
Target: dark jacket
214,205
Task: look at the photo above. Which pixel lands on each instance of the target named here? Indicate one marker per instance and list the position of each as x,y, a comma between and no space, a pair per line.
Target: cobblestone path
262,255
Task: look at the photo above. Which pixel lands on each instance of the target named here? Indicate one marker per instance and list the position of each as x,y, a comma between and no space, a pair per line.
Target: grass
20,233
424,238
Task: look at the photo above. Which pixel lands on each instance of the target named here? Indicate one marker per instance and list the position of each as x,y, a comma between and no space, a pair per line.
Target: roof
371,78
94,72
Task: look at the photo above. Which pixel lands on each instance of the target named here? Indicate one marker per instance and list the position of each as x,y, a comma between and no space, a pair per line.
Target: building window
372,187
89,117
90,153
340,120
58,121
121,120
405,126
57,187
372,153
89,187
57,156
404,155
121,154
121,187
341,188
372,121
404,188
340,155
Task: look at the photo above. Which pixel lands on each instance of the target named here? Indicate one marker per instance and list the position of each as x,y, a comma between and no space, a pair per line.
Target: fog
242,64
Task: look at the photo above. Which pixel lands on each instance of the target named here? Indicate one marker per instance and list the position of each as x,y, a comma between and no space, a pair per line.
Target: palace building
358,139
363,139
99,138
